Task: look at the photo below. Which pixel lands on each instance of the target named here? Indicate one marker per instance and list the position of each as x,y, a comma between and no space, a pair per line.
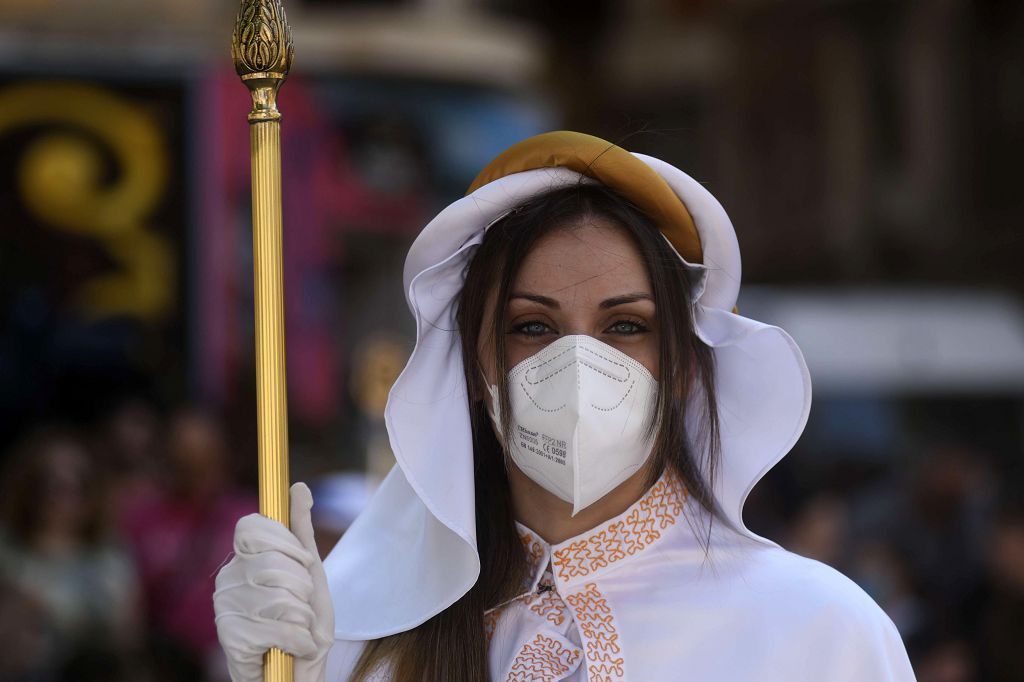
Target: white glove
273,593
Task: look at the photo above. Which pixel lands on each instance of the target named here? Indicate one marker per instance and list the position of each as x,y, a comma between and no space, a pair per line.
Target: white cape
637,599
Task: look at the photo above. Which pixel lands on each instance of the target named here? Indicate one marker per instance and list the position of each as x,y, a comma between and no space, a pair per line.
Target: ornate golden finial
262,49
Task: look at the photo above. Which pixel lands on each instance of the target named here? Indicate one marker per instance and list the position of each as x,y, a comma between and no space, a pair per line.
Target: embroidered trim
534,551
547,603
491,619
654,512
597,626
543,660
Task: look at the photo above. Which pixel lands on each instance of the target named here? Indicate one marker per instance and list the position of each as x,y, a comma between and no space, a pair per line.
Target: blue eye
532,328
627,327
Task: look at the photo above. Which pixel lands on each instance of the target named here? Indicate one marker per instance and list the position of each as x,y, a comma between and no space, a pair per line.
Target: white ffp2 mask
580,416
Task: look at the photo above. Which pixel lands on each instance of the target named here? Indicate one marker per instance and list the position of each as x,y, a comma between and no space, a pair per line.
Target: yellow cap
610,165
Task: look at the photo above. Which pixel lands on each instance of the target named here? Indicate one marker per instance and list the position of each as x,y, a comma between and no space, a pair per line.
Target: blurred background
867,151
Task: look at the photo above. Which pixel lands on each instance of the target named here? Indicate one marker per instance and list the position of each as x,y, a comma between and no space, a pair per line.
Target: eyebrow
604,305
624,299
536,298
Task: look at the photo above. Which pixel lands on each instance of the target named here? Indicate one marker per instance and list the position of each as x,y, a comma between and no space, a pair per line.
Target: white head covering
412,553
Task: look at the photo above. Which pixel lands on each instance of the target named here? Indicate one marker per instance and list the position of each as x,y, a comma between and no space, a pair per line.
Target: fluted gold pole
261,47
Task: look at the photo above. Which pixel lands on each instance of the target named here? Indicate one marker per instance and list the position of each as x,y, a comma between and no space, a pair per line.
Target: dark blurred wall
853,142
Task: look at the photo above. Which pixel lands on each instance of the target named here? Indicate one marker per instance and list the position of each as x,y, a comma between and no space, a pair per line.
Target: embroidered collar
611,543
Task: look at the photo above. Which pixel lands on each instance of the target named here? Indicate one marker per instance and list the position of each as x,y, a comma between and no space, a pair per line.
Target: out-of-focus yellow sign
62,181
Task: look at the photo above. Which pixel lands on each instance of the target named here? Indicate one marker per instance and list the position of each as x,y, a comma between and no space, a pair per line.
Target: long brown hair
450,647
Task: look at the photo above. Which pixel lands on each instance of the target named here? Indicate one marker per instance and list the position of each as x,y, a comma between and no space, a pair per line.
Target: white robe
637,598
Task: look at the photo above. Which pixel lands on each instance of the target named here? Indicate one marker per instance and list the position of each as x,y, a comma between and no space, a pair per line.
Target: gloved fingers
288,610
230,574
301,521
274,593
267,569
298,584
245,638
272,603
260,569
256,533
321,603
247,670
302,527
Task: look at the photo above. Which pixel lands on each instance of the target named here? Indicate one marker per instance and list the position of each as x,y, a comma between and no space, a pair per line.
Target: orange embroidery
534,549
550,606
490,624
597,625
657,510
543,660
548,603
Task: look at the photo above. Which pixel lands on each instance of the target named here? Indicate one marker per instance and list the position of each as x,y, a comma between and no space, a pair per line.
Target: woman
576,432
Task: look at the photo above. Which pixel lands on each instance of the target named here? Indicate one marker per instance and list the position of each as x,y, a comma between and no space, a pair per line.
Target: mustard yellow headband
610,165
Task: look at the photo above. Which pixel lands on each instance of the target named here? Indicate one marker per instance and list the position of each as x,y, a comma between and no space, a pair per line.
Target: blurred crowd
109,543
111,537
936,538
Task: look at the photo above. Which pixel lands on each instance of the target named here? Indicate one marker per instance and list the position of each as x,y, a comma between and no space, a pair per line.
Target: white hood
412,553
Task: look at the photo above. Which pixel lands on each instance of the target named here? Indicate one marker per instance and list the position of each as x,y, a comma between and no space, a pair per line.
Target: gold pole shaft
271,394
261,47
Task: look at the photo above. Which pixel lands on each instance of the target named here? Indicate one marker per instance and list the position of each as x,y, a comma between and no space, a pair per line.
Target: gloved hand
273,593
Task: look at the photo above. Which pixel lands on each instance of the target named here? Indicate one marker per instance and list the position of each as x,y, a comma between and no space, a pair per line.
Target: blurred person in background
951,508
820,530
946,514
128,444
947,659
884,572
56,554
999,630
179,536
918,542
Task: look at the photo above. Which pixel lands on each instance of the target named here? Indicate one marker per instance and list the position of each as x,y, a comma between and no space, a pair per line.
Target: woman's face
586,279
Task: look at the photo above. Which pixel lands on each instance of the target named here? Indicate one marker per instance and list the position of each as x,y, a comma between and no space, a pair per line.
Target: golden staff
262,50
